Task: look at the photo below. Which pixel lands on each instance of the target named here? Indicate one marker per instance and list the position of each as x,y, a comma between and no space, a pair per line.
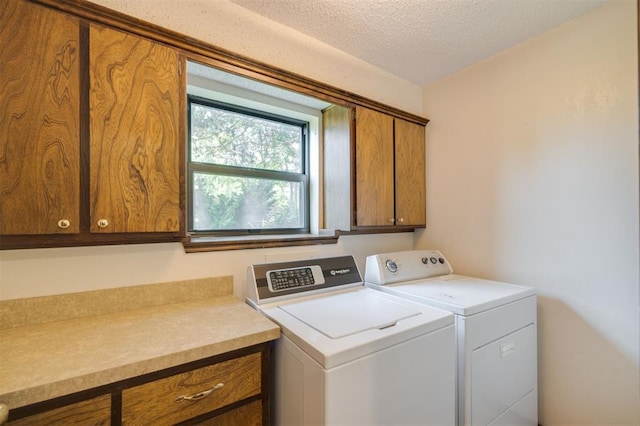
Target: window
248,171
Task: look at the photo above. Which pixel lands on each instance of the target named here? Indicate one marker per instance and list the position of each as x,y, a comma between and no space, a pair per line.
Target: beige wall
41,272
532,170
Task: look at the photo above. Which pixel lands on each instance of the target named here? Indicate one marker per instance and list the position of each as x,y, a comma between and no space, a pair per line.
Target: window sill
203,244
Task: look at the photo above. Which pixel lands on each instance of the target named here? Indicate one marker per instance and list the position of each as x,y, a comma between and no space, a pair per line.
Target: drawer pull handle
199,395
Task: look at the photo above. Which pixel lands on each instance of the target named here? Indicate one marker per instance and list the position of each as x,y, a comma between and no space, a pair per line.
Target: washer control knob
425,260
441,260
391,266
433,260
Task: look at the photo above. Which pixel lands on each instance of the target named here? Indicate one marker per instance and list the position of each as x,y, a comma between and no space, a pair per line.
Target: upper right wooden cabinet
410,173
384,166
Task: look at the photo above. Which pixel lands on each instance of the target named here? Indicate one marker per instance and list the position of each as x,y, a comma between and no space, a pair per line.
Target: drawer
247,415
163,402
96,411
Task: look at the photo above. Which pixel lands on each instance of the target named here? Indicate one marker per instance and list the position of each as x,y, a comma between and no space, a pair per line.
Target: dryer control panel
389,268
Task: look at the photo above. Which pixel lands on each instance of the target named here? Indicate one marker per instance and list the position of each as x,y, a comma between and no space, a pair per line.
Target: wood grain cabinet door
410,173
374,168
134,114
39,120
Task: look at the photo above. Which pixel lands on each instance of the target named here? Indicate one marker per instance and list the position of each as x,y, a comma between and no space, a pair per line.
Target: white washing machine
495,329
349,355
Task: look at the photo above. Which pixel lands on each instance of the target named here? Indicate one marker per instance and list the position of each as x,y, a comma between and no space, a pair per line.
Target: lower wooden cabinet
250,414
95,411
229,389
184,396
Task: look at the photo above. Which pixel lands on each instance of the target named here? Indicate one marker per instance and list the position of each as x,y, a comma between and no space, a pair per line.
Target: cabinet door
374,168
410,173
134,123
337,136
39,120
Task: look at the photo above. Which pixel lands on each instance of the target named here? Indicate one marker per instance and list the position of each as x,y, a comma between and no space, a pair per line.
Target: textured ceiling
421,40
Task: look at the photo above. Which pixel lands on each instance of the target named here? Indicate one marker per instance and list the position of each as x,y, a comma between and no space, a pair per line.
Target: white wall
532,178
28,273
41,272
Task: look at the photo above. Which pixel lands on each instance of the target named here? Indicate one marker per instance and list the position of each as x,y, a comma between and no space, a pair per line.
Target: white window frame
226,93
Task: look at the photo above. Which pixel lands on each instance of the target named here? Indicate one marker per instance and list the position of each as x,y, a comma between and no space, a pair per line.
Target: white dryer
349,355
495,328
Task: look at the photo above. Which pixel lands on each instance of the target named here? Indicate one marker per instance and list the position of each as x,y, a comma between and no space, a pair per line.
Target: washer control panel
274,282
388,268
284,279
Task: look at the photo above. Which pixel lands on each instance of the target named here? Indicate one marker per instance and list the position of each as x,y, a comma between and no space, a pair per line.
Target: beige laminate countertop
43,361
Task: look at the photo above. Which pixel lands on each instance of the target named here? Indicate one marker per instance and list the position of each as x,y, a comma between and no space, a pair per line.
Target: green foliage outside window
247,170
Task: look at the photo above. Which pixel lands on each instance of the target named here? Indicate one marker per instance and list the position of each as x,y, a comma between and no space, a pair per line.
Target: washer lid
368,321
342,315
460,295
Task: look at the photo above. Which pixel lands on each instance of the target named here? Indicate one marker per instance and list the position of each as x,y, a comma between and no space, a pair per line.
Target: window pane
234,139
228,202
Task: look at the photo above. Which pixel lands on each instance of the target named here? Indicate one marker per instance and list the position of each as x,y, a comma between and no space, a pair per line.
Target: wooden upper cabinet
134,101
376,167
390,171
410,173
374,175
39,120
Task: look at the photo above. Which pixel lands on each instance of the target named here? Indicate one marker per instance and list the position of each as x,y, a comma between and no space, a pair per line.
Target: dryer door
502,373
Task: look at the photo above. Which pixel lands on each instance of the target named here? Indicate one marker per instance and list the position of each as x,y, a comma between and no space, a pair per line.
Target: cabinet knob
401,220
392,220
103,223
63,223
